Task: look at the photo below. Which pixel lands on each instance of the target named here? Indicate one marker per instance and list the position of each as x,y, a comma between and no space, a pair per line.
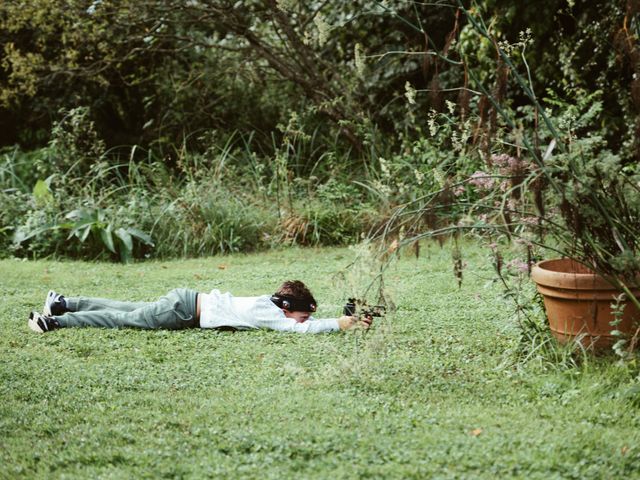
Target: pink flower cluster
504,161
532,221
458,190
508,165
482,180
517,264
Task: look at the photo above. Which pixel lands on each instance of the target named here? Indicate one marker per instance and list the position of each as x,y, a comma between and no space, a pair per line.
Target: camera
359,308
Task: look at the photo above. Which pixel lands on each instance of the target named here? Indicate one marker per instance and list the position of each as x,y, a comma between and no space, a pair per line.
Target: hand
366,321
347,323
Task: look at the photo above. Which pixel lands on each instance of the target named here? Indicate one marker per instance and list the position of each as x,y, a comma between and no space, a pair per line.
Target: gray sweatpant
176,310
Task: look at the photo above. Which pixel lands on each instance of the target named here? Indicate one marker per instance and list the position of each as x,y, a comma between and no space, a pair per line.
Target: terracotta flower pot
578,303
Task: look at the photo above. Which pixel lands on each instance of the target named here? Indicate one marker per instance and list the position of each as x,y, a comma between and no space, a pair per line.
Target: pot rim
561,273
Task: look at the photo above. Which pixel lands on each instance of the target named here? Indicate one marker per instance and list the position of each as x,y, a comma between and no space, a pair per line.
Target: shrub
204,220
321,223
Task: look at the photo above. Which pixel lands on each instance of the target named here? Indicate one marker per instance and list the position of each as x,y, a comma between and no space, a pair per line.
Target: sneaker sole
33,323
46,310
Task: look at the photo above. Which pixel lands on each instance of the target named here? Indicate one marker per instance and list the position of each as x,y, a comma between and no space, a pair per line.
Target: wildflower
514,164
481,180
524,37
529,220
431,121
518,265
323,28
451,106
410,93
382,188
508,165
506,47
503,160
439,178
455,142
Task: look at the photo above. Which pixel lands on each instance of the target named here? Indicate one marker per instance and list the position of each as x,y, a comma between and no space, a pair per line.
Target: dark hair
297,291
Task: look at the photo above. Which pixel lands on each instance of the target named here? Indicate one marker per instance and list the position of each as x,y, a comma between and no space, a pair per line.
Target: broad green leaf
85,231
23,233
83,222
83,216
73,214
140,235
107,239
127,241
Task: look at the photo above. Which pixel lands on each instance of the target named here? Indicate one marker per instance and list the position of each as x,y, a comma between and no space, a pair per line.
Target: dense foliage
189,127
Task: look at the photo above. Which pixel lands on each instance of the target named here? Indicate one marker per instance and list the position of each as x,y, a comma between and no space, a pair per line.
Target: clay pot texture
578,303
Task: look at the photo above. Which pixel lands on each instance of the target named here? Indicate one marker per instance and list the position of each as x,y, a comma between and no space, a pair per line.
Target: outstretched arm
314,326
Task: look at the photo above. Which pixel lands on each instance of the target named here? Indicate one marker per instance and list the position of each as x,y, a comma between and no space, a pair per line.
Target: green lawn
432,391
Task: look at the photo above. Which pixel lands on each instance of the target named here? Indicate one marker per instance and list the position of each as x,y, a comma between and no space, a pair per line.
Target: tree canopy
159,72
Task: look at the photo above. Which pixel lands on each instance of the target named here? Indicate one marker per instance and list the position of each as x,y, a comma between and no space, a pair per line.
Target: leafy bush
319,223
225,200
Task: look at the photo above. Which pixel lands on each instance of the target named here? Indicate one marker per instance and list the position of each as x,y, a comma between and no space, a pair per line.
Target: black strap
294,304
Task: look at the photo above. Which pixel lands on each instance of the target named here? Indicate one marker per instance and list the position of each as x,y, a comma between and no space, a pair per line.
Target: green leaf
74,214
83,216
140,235
22,233
127,241
41,193
83,231
82,223
107,239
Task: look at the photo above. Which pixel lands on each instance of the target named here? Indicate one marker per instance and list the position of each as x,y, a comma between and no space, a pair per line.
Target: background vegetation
185,128
171,128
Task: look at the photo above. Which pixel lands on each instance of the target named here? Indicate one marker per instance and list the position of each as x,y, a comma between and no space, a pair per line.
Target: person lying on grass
288,310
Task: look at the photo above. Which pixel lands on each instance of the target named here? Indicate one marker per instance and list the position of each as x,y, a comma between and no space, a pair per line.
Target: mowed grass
434,390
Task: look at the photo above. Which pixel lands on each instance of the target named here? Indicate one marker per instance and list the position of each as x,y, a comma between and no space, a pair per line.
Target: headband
294,304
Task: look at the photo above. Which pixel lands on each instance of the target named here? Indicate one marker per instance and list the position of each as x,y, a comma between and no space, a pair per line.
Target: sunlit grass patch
434,390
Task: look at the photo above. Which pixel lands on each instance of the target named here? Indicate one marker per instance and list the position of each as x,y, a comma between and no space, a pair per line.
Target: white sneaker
55,304
42,323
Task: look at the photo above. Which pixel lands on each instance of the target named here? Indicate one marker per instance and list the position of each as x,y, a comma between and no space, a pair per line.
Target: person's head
295,300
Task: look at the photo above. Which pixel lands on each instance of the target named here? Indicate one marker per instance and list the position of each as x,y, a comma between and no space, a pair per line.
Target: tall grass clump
75,198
